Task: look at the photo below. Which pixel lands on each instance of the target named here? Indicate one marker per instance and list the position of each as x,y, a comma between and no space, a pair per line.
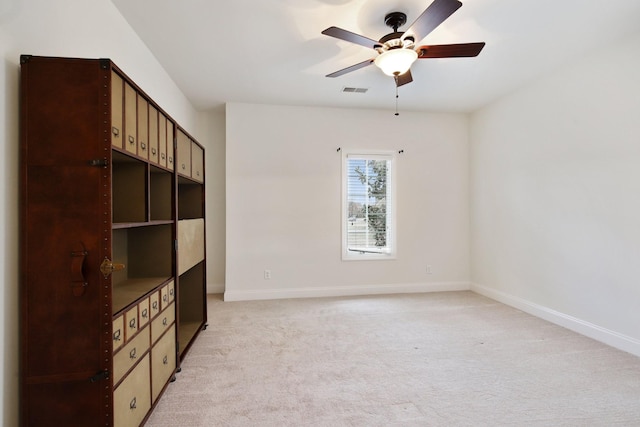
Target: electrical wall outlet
429,271
267,274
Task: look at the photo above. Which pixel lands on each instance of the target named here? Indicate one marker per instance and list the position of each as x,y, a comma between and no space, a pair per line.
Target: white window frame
350,254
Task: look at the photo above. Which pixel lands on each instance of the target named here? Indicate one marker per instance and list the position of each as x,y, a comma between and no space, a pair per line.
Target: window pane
367,195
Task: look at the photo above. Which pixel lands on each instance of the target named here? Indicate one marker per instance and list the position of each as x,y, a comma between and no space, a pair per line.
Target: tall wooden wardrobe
112,252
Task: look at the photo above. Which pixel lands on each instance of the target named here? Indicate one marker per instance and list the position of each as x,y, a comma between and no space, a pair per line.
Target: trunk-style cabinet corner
112,250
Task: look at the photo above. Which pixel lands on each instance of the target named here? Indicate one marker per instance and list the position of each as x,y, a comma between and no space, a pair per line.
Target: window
368,208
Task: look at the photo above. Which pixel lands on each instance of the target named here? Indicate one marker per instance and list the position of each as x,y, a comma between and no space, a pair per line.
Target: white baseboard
215,288
606,336
337,291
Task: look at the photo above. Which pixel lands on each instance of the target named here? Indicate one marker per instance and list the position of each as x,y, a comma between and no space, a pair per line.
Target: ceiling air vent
355,89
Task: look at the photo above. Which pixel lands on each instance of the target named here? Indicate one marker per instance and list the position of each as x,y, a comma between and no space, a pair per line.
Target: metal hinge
102,375
99,162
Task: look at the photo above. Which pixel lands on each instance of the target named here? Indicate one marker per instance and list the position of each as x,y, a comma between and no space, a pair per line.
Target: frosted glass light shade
396,61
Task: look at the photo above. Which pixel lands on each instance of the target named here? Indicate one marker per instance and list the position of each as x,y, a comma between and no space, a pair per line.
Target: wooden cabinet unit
109,301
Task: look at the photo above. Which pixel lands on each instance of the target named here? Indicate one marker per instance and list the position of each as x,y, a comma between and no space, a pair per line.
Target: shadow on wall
9,251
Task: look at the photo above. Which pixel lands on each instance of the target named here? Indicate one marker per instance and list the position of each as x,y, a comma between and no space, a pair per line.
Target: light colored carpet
435,359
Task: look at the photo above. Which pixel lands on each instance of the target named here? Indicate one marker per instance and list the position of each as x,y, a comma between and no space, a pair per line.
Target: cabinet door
143,127
117,136
65,202
184,154
130,119
154,155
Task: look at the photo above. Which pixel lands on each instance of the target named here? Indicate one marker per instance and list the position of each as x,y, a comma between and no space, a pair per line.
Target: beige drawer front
197,163
143,127
131,323
190,243
162,322
184,154
154,304
130,354
171,291
116,110
130,119
132,398
163,362
170,150
162,139
144,313
154,153
118,333
164,297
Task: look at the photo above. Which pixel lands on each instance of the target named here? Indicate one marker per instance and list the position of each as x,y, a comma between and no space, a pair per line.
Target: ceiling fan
397,51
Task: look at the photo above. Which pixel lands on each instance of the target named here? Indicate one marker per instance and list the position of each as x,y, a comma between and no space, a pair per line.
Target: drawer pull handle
132,323
115,131
116,335
164,156
183,166
197,173
165,360
164,322
155,305
132,353
132,140
164,297
153,151
107,267
78,281
145,313
171,292
132,404
143,145
170,159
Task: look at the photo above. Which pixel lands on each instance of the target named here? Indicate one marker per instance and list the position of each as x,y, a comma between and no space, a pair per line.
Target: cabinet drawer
143,127
184,154
154,153
132,398
162,322
171,291
164,295
130,354
170,145
163,362
144,312
117,135
162,139
131,322
130,119
154,304
118,333
197,163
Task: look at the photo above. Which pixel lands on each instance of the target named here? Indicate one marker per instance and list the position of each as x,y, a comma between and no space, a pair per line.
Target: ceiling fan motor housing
395,20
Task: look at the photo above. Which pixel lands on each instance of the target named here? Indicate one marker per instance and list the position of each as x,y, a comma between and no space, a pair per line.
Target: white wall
283,201
213,125
555,197
79,28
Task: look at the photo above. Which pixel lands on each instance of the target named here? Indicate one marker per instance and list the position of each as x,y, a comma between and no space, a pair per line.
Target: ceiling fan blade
348,36
462,50
405,78
351,68
433,16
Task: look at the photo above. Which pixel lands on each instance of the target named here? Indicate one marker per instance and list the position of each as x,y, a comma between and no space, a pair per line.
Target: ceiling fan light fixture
396,62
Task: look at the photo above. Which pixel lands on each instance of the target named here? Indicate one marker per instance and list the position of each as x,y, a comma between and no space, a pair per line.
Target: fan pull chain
396,79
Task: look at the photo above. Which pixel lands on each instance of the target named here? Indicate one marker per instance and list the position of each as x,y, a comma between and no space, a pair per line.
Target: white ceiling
273,52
